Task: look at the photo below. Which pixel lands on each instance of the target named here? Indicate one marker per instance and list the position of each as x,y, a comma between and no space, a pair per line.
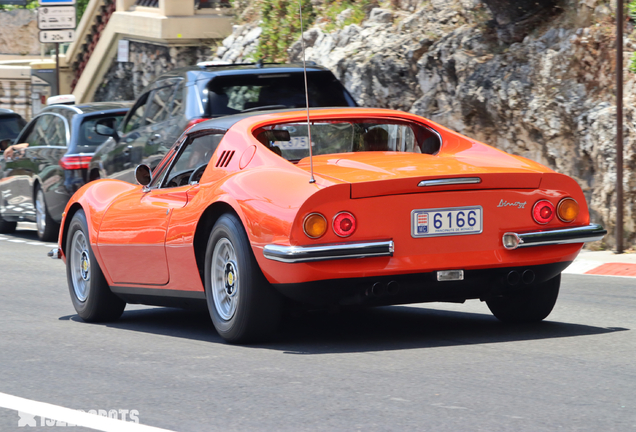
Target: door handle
128,148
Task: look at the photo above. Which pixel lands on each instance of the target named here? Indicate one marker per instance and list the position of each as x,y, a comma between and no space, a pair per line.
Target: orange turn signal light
568,209
315,225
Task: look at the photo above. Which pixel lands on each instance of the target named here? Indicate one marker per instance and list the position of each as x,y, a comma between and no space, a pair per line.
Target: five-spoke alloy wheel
243,305
92,298
46,226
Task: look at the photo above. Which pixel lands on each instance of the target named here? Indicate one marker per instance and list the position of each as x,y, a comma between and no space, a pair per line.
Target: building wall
15,95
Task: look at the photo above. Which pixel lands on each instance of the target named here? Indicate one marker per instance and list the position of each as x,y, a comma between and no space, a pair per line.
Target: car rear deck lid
513,180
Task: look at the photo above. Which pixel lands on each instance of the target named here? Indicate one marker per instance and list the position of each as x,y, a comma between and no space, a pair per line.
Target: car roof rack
223,63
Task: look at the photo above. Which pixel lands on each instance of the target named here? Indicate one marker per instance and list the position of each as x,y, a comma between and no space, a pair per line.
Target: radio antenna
302,42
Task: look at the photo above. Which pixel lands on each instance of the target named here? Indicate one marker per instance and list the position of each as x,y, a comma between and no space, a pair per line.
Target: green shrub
281,27
632,9
333,8
281,24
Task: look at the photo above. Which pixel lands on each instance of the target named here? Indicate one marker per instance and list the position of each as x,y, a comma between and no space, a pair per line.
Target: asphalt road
424,367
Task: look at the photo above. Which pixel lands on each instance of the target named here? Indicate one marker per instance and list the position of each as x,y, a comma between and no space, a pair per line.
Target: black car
49,162
183,97
11,123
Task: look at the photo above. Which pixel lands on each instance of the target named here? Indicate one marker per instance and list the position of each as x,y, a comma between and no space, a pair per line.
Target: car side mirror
106,127
143,175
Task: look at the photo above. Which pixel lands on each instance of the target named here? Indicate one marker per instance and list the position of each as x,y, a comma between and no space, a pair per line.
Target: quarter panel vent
225,159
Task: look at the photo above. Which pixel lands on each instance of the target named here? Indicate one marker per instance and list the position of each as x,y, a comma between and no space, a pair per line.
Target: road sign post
57,20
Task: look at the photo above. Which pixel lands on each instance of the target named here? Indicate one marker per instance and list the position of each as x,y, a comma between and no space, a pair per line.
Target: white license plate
446,221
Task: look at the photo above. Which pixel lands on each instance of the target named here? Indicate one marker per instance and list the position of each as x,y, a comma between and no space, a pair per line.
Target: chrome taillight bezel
353,218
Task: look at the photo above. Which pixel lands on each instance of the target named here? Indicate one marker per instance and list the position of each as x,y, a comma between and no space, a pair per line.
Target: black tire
530,305
92,298
7,227
244,307
47,228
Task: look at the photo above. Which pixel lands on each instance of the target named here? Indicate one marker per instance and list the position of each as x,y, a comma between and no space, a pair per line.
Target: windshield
10,127
291,140
88,139
239,93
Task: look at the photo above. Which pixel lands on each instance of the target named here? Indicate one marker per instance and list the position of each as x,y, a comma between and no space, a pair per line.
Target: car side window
56,132
194,156
136,117
49,130
177,101
159,104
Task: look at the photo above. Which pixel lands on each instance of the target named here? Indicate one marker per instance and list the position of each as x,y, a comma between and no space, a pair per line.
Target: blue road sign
56,2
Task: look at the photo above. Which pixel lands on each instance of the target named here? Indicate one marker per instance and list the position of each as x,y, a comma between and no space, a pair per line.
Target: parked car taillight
344,224
543,212
75,162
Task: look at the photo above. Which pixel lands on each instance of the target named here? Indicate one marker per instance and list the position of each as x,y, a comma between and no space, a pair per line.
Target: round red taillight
344,224
543,212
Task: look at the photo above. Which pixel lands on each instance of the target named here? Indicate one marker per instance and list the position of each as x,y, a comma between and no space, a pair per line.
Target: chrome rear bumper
592,232
294,254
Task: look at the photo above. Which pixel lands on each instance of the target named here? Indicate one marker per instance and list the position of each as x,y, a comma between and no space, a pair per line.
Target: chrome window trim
67,129
449,181
295,254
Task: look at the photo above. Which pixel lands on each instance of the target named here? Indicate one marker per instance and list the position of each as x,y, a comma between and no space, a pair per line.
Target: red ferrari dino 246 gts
398,210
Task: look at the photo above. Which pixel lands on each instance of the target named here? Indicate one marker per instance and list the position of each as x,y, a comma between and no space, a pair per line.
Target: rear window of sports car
291,140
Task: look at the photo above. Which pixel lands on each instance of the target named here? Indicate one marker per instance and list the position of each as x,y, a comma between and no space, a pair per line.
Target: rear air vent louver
225,159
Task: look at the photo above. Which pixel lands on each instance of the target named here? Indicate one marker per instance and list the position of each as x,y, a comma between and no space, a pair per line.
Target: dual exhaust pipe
514,277
380,289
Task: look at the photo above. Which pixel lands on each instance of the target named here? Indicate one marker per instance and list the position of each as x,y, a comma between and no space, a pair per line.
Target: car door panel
132,235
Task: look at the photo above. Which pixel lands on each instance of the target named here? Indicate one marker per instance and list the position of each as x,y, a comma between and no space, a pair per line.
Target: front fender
94,198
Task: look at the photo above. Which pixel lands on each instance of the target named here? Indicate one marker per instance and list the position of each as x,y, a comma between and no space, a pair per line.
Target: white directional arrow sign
50,36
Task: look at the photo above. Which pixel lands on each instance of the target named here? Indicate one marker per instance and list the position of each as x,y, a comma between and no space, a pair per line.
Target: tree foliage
33,4
281,27
280,22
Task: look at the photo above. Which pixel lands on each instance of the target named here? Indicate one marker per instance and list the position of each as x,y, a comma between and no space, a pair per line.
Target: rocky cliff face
126,81
549,98
19,32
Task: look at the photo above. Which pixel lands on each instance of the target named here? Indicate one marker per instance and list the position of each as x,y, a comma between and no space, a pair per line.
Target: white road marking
72,416
3,238
17,241
581,266
35,243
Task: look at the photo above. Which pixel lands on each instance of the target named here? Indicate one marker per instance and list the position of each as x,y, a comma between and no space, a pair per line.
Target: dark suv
49,162
11,123
187,96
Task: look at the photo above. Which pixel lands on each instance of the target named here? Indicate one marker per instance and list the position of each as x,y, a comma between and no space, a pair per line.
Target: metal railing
199,4
147,3
210,4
